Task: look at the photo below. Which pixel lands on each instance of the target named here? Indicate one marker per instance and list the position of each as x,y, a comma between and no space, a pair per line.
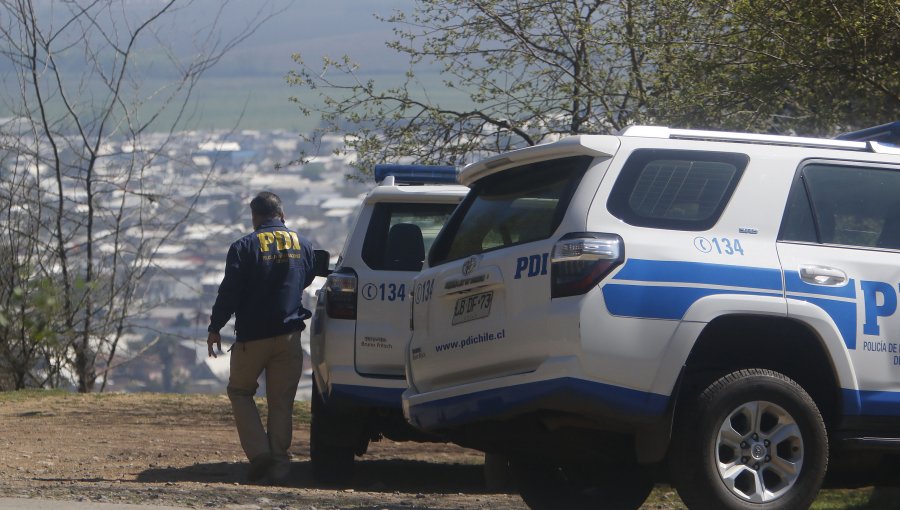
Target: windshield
511,207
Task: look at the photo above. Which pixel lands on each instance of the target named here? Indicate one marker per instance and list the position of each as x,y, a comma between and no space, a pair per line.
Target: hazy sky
251,77
323,27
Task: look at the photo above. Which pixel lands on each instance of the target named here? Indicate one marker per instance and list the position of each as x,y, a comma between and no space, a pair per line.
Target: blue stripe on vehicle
662,302
366,396
843,313
793,283
653,302
700,273
563,394
871,403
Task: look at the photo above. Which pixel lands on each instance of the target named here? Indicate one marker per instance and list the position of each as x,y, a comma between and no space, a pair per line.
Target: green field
216,103
256,102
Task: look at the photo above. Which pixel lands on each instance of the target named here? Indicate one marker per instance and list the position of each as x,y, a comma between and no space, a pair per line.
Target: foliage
29,344
530,71
82,226
805,66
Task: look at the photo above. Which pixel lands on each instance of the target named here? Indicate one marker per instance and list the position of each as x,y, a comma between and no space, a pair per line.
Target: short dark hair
266,205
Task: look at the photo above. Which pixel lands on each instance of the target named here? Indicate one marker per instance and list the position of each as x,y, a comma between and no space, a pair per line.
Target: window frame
799,180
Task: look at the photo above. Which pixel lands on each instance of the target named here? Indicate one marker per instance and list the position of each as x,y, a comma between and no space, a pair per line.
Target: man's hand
214,339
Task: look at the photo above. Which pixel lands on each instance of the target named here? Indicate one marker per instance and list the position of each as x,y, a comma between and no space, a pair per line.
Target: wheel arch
734,341
789,346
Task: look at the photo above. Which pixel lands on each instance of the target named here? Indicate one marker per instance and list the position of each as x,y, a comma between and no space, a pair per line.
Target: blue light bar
417,174
886,133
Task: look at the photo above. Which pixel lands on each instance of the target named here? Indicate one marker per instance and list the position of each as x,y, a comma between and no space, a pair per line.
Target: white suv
724,302
361,323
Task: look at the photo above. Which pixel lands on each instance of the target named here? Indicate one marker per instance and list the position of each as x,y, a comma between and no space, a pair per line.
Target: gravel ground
182,450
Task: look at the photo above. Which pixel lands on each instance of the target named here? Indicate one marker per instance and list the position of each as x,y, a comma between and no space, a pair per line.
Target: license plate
474,307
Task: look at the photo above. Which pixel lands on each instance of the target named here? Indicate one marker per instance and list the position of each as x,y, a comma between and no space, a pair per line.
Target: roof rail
888,134
416,174
726,136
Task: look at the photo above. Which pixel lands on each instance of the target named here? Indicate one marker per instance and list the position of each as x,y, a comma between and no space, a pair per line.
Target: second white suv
715,309
361,322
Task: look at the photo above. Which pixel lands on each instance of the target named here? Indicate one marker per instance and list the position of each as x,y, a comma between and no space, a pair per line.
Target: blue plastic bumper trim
563,394
871,403
365,396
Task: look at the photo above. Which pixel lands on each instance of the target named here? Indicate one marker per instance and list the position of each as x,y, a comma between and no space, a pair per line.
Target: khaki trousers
281,357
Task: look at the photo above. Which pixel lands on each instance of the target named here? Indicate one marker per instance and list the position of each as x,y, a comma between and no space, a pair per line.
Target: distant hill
250,79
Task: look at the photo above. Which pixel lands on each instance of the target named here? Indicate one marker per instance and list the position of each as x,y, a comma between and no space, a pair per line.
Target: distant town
165,349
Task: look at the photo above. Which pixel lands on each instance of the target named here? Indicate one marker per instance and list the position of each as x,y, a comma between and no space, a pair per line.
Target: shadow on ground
369,475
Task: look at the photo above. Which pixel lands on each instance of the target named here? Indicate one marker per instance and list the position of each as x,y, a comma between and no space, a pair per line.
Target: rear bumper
365,396
344,387
333,362
520,394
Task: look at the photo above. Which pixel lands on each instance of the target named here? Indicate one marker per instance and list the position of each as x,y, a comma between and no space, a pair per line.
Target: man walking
265,274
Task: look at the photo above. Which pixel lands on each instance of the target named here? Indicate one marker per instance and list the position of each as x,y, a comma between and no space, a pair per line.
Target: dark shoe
280,473
259,467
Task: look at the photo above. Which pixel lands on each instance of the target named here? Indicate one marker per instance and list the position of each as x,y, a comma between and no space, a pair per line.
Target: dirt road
182,450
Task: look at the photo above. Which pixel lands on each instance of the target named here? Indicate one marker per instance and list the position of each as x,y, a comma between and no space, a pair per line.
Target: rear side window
511,207
849,205
675,189
399,235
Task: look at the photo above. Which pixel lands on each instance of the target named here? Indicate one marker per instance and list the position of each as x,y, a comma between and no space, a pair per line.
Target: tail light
581,260
340,294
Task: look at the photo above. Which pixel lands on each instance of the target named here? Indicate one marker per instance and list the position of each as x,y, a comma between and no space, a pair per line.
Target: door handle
822,275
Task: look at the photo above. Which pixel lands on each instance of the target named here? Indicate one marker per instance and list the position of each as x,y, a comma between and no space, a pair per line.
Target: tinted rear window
399,235
511,207
675,189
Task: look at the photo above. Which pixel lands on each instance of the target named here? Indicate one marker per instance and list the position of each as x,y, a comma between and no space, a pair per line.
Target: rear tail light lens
581,260
340,294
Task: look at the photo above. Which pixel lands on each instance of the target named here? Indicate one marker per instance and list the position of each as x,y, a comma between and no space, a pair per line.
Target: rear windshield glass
511,207
399,235
675,189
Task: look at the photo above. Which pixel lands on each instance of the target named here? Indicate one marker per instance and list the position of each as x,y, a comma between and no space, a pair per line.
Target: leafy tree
30,352
527,71
84,221
803,66
530,71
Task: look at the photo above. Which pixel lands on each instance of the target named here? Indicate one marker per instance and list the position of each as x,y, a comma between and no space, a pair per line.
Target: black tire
334,439
756,424
581,486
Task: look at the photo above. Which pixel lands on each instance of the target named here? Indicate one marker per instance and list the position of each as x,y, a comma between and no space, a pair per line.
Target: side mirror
320,263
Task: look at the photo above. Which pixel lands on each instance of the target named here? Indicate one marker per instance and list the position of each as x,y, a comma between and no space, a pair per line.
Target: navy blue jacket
265,274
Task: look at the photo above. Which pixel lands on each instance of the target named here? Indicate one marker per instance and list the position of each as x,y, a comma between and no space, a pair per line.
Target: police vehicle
715,309
360,326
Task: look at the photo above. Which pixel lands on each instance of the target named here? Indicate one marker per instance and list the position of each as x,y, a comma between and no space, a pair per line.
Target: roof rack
726,136
888,134
876,139
415,174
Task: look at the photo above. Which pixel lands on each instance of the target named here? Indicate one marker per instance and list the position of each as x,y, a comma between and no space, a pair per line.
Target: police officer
265,274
